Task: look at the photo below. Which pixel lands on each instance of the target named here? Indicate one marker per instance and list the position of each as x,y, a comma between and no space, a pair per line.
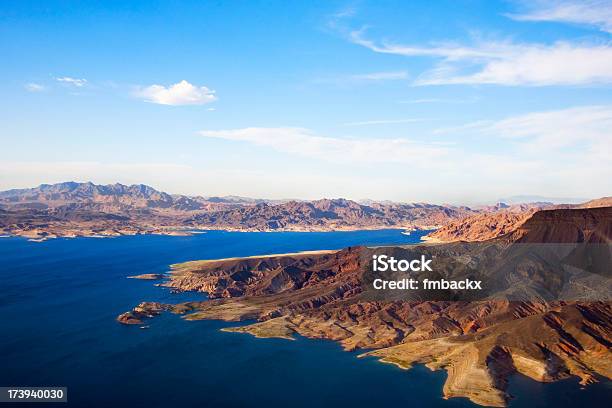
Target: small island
148,276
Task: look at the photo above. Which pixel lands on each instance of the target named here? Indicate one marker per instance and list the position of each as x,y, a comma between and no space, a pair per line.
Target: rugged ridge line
85,209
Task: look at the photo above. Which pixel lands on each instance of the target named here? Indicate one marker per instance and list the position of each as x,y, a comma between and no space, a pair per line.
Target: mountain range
85,209
81,209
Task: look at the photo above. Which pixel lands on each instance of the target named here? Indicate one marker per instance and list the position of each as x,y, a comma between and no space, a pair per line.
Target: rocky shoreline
43,234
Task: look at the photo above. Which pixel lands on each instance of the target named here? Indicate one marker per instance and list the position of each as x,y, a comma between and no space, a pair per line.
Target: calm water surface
59,300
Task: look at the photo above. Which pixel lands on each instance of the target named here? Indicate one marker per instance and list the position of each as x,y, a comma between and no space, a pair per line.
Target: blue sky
460,102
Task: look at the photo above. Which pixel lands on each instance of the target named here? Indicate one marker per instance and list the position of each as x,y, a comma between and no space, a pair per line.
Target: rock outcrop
593,225
481,227
142,311
500,220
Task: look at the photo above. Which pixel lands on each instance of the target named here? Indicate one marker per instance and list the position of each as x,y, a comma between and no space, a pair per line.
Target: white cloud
506,63
382,76
581,135
450,51
79,83
438,100
582,127
572,132
304,143
382,122
181,93
559,64
335,20
539,152
567,150
596,13
365,78
34,87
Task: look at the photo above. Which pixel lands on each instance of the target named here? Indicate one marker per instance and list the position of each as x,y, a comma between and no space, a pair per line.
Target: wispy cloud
335,20
364,78
77,82
438,100
181,93
304,142
582,127
34,87
450,51
381,76
382,122
542,152
596,13
506,63
460,128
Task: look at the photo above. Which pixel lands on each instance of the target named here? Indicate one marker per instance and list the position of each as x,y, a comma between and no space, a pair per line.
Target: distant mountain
515,207
112,197
85,209
119,196
328,214
598,202
520,199
74,209
232,199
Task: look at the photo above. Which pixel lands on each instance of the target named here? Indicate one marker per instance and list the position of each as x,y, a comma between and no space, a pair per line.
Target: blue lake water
59,300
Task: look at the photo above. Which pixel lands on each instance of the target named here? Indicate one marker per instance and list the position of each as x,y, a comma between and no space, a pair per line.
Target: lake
59,300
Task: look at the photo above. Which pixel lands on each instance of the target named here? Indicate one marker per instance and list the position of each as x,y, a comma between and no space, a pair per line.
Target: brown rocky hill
598,202
85,209
77,209
481,227
500,220
328,214
479,343
109,198
592,225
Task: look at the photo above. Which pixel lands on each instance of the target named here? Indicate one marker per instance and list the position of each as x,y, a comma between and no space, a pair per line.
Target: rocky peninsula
479,343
